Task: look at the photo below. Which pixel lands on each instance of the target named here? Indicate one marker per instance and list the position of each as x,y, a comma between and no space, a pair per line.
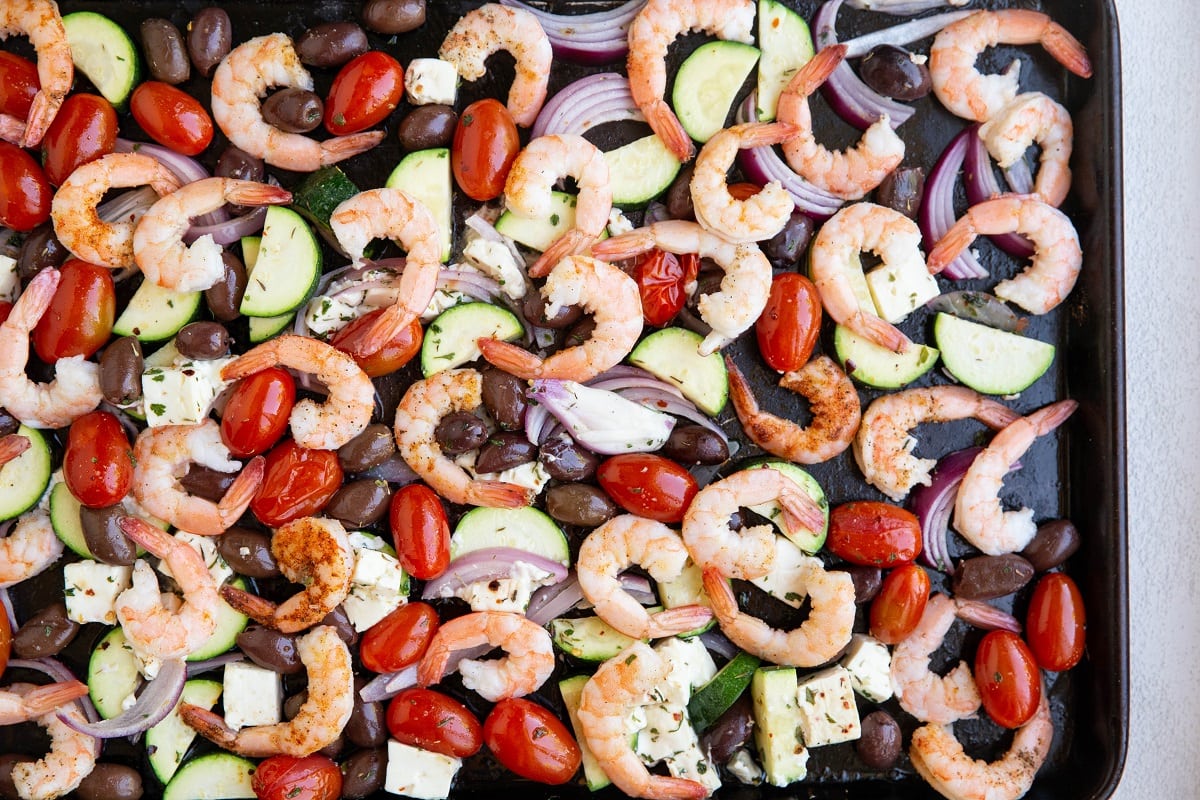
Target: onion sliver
587,38
187,169
661,401
195,668
488,564
157,699
854,101
550,602
934,503
937,206
905,8
586,103
982,185
389,684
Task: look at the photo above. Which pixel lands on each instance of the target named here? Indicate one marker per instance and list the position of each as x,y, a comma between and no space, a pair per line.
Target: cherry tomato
1055,623
420,531
18,84
256,414
661,278
84,129
298,483
873,534
432,721
485,145
389,358
399,639
314,777
365,91
25,193
1008,679
898,607
98,463
81,313
532,742
172,117
788,327
648,485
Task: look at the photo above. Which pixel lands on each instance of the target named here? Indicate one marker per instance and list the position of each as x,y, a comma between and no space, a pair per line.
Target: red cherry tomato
298,483
365,91
432,721
18,84
5,642
84,129
648,485
898,607
1055,623
172,117
81,313
661,278
98,463
256,414
312,777
532,742
399,639
1008,679
420,531
788,327
485,145
25,193
873,534
389,358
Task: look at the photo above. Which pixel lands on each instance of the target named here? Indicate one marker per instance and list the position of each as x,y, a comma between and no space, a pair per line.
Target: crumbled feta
504,594
206,546
870,666
441,300
10,279
91,589
898,289
377,588
497,262
531,474
618,223
742,766
431,80
828,712
418,773
252,695
182,394
326,316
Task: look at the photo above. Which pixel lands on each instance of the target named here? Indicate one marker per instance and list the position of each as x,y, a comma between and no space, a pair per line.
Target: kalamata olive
503,451
879,745
207,483
902,190
166,56
363,773
8,423
893,72
695,444
579,333
224,298
202,341
427,126
580,504
270,649
731,730
341,623
46,633
566,460
360,503
504,398
40,249
8,789
369,449
393,16
867,581
294,110
534,306
679,195
331,44
110,782
247,552
460,432
236,163
1054,543
209,38
989,577
786,248
121,371
333,750
104,536
367,726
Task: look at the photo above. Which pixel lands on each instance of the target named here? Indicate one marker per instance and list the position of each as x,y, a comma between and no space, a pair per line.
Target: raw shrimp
492,27
158,245
971,95
30,549
615,546
245,76
926,695
40,21
417,417
529,662
312,551
605,292
164,454
1029,118
832,399
75,389
751,220
1057,257
22,706
884,444
72,755
978,515
318,723
542,163
11,447
656,26
351,401
744,290
848,174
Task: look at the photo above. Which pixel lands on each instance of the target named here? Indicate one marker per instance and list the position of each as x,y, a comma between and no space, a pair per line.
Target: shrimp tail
627,245
12,129
1046,419
239,494
744,402
664,122
816,71
764,134
209,724
801,512
389,324
45,699
260,610
154,539
41,114
343,147
678,620
720,593
250,193
879,331
432,667
570,243
1067,50
498,494
665,787
34,301
950,246
12,446
510,358
256,360
996,416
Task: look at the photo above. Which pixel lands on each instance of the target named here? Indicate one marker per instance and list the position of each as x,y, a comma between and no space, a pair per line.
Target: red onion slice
661,401
551,602
228,231
854,101
586,103
979,307
719,643
157,699
985,616
56,671
488,564
635,382
388,685
982,185
934,503
603,421
187,169
937,206
195,668
587,38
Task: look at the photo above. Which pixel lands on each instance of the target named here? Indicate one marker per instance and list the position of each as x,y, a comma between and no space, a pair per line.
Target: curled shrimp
71,758
318,723
832,399
967,93
751,220
542,163
491,27
923,693
244,77
529,662
312,551
1029,118
978,515
417,417
615,546
25,705
884,444
1057,257
320,426
30,549
744,290
605,292
79,227
164,454
41,22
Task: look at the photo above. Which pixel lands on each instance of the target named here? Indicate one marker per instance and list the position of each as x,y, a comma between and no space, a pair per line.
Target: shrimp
158,246
529,662
30,549
72,755
835,409
318,723
244,77
492,27
312,551
751,220
1029,118
163,456
884,444
539,166
978,515
971,95
1057,257
615,546
749,553
22,706
848,174
744,290
11,447
926,695
653,30
41,22
319,426
79,227
75,389
605,292
417,417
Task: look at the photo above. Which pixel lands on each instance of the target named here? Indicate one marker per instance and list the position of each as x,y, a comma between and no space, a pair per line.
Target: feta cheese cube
870,666
206,546
742,766
898,289
91,590
618,223
505,594
252,696
691,667
377,588
787,579
413,772
326,316
828,712
10,279
497,262
431,80
182,394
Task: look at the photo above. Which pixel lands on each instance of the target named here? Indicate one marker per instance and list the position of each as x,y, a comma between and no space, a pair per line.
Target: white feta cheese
182,394
441,300
870,666
505,594
10,279
786,580
91,590
252,696
413,772
377,588
691,665
326,316
828,712
898,289
497,262
431,80
206,546
742,766
618,223
531,474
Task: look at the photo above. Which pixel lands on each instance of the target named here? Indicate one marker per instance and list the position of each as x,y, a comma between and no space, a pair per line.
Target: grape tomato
1009,682
433,721
98,463
485,145
532,742
298,482
365,91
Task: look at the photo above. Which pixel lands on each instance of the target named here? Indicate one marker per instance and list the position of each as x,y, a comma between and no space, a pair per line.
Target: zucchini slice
104,53
23,480
707,83
287,268
450,340
154,313
426,176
